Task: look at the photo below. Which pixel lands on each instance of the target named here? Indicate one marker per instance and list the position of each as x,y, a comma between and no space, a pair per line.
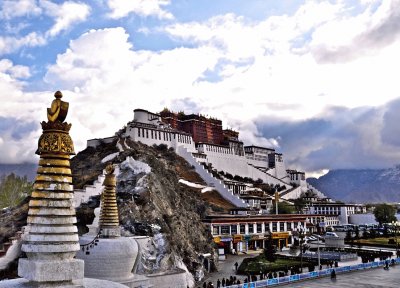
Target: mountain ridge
360,185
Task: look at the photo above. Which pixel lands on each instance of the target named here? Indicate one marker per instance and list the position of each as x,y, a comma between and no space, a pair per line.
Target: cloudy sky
317,80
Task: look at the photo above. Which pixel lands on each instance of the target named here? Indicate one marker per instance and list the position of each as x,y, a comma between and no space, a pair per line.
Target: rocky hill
360,185
152,201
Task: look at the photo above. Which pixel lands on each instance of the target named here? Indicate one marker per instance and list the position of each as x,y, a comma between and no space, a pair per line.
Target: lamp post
301,237
395,224
276,202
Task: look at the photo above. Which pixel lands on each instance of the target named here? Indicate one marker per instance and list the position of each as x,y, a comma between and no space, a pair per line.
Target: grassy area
375,241
257,264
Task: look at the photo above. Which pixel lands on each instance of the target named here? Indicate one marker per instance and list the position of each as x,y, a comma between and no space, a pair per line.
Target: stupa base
50,270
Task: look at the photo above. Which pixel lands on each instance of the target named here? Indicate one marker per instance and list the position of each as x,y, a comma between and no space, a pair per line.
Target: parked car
331,234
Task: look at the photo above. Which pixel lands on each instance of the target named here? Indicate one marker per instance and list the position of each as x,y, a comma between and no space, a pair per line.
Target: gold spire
109,222
51,235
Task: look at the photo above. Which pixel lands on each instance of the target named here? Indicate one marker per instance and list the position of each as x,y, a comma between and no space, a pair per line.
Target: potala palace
218,156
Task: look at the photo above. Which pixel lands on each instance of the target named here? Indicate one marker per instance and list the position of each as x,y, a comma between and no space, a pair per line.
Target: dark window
251,228
225,229
281,226
138,132
242,229
259,230
274,226
233,229
215,230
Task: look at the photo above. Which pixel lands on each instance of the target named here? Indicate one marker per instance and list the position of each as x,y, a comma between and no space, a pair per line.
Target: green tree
270,250
299,205
13,189
384,213
283,208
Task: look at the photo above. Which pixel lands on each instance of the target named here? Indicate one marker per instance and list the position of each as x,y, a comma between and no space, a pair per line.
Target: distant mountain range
360,185
28,169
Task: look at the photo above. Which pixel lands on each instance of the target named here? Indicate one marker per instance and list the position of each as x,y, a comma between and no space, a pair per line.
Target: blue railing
309,275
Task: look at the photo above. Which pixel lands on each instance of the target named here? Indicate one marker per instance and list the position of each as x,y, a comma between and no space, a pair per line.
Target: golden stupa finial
110,168
58,110
110,177
55,137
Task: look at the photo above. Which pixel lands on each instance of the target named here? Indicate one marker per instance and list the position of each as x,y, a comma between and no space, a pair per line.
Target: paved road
376,278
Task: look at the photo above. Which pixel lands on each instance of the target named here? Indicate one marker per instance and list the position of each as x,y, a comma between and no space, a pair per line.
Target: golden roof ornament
55,137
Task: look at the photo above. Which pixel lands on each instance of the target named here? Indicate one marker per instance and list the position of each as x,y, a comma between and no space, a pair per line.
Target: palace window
225,229
233,229
251,228
259,229
274,227
215,230
242,229
282,226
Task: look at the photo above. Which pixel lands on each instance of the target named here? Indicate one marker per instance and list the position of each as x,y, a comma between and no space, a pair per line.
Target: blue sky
315,79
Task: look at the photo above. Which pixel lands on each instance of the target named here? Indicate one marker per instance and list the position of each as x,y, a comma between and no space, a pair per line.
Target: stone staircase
316,191
263,170
295,191
211,180
83,195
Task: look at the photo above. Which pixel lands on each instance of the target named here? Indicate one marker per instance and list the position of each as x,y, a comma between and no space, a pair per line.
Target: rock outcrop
152,202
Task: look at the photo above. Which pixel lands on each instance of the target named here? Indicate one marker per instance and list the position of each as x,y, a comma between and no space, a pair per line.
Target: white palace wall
151,136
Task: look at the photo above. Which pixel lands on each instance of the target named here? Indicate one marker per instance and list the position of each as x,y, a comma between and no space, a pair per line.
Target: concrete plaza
377,277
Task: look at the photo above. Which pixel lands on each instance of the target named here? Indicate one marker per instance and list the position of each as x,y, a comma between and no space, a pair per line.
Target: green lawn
258,264
375,241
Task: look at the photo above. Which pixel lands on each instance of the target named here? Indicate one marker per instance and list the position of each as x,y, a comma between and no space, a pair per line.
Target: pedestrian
218,283
223,282
236,266
204,285
333,274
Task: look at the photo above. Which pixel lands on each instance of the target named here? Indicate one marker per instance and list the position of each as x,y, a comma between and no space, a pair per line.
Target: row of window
218,149
252,228
162,135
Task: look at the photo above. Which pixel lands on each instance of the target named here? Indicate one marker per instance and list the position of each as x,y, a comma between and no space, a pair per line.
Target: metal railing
310,275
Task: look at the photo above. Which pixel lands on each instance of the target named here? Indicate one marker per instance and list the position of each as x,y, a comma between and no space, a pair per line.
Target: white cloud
114,86
236,69
144,8
17,8
9,44
17,71
65,15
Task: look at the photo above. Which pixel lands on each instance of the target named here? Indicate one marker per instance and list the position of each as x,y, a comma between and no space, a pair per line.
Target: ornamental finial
58,110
